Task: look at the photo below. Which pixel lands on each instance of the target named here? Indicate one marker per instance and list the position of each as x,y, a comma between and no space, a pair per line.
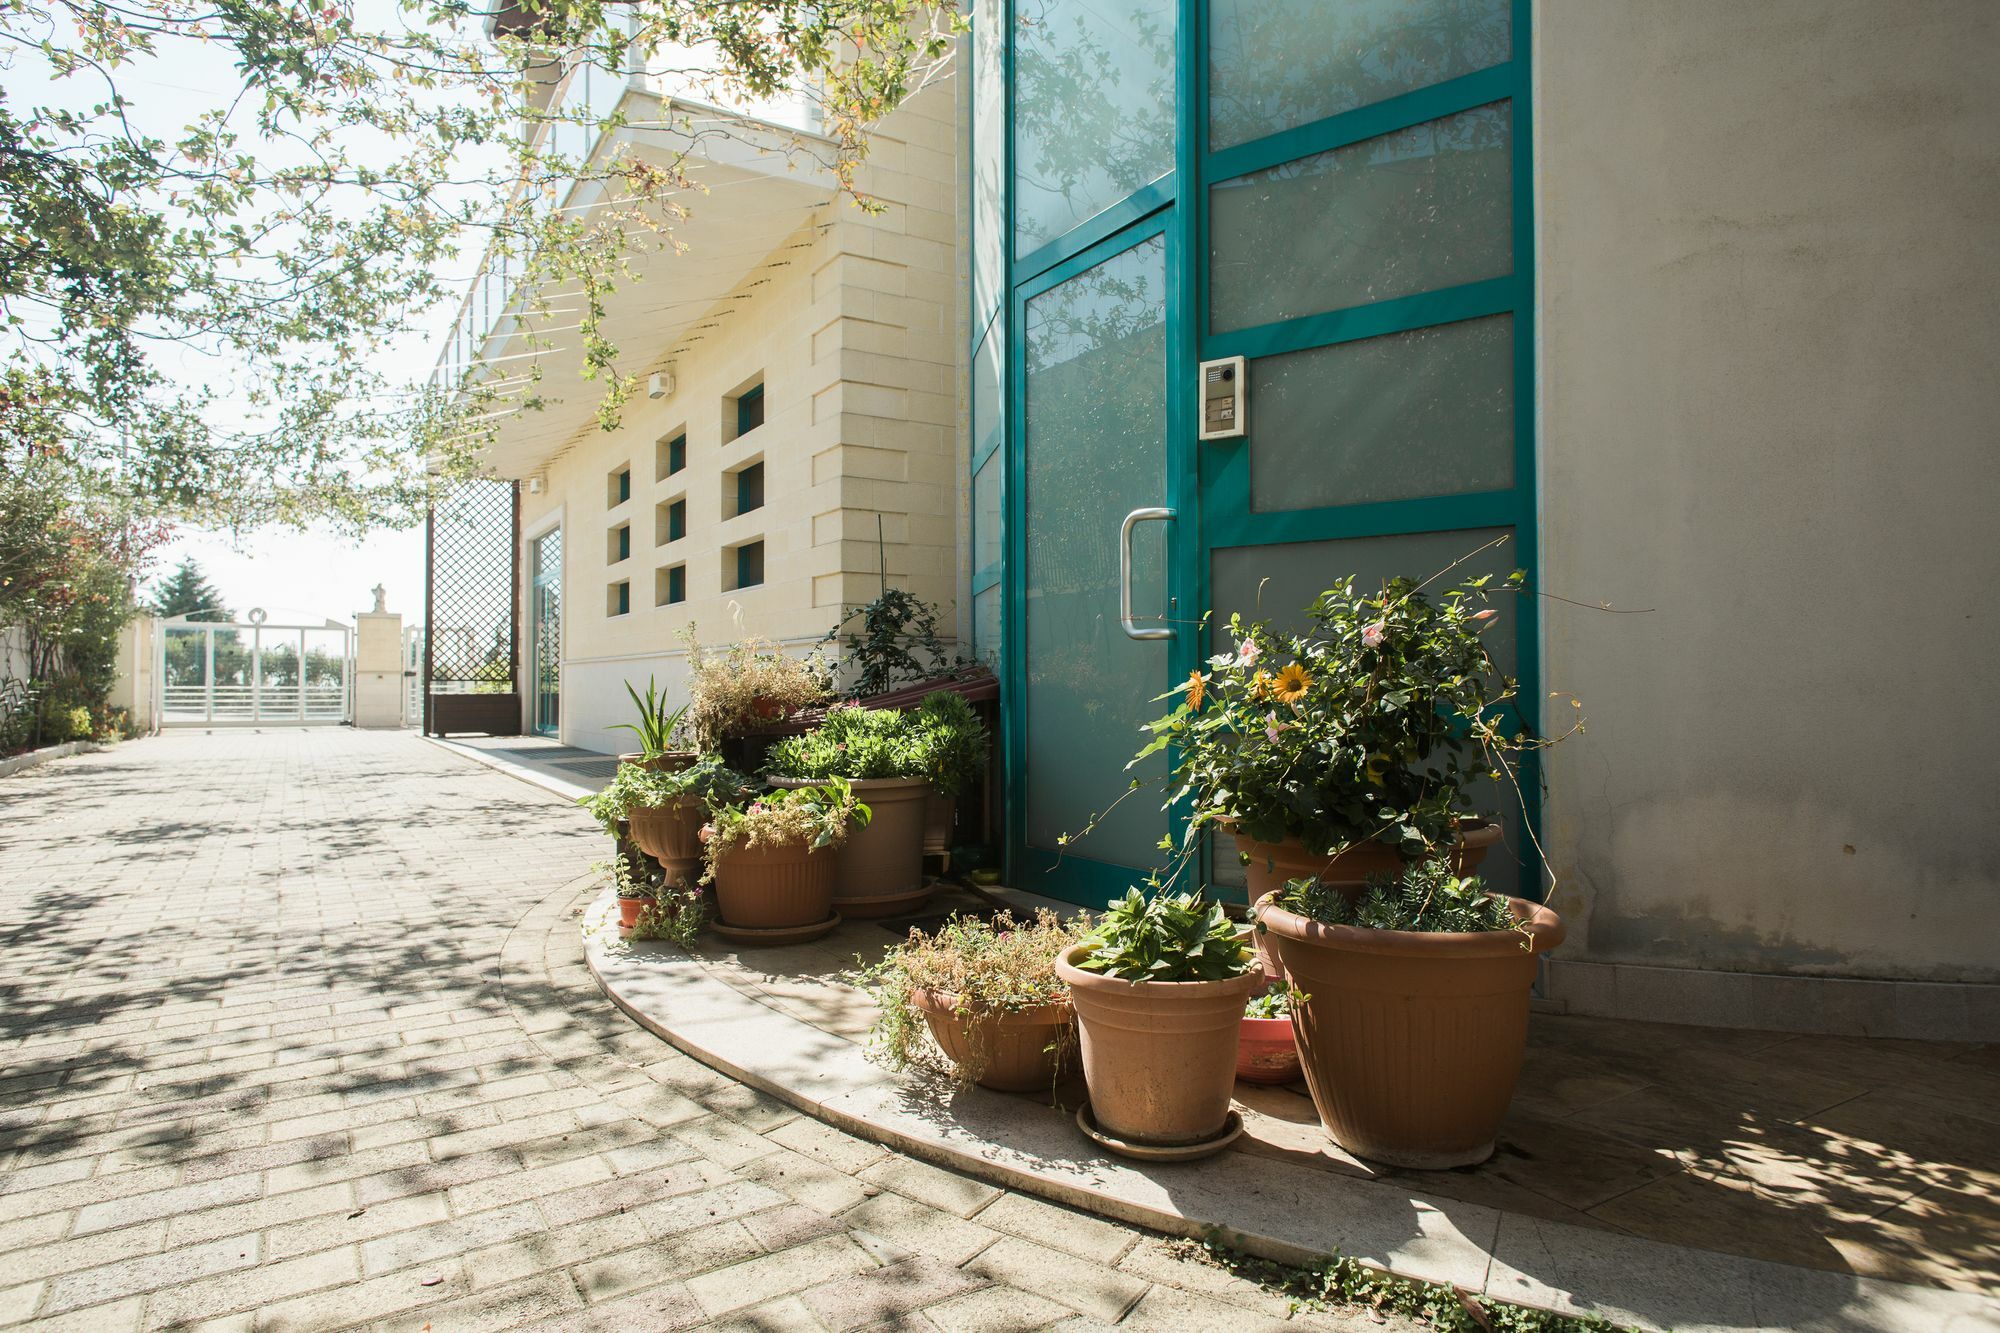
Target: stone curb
21,763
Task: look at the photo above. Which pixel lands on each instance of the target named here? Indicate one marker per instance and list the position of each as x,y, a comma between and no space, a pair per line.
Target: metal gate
249,672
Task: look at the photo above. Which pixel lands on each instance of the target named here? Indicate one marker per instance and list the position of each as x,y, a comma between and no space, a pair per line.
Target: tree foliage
187,592
211,314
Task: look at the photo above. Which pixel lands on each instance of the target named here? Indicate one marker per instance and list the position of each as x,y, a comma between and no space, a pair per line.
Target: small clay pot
629,909
1266,1052
671,835
1015,1050
1273,863
774,887
1159,1056
1411,1041
881,862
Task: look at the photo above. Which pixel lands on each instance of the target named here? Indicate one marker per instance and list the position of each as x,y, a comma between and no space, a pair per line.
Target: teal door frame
541,581
1209,484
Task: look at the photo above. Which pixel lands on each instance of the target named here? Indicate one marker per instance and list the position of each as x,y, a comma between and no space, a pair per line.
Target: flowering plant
817,816
1367,725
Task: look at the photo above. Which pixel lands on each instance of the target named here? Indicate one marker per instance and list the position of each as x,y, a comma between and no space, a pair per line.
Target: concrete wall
853,326
1769,403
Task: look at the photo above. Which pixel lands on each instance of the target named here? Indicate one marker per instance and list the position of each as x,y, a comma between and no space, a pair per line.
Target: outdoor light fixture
660,384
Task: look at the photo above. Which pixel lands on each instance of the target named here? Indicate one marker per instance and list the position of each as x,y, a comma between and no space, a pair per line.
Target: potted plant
1428,965
1266,1052
1159,988
634,887
664,809
747,687
952,745
880,868
1344,751
655,729
771,860
978,1001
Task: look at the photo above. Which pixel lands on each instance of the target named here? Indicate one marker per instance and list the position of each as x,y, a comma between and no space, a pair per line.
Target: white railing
216,673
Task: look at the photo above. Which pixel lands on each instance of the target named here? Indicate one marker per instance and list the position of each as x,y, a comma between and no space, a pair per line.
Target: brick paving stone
298,1021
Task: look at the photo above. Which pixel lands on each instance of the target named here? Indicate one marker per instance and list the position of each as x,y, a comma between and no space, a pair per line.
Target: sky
306,577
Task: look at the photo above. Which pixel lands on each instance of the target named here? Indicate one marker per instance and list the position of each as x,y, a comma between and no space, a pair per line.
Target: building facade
1685,310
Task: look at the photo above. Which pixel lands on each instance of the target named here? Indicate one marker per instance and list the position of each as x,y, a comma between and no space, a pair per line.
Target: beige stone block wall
854,327
1768,406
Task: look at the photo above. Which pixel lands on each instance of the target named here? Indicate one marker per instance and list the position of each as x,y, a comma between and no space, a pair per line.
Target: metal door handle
1133,519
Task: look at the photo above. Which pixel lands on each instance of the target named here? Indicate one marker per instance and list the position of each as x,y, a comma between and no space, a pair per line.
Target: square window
673,456
749,410
670,585
620,488
749,565
677,520
619,545
750,488
618,599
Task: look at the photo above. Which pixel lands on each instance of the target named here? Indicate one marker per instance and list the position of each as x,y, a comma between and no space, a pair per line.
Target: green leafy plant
1369,725
656,725
740,687
950,742
1167,937
851,743
1426,897
637,787
676,916
977,967
1276,1004
895,644
818,816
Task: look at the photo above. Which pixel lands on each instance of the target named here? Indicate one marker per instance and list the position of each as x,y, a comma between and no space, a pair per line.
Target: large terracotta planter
881,864
671,835
1159,1056
1273,863
1411,1042
1014,1050
775,886
940,814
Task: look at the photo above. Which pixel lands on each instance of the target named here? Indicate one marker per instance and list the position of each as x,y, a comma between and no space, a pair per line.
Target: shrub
637,787
1167,937
852,743
817,816
1426,897
738,688
950,742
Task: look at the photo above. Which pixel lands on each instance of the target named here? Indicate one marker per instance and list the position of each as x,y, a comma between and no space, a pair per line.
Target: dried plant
749,684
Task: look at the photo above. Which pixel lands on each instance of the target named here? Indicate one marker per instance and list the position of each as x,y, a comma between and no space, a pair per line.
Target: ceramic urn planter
786,886
671,835
1159,1056
1013,1050
1411,1041
881,864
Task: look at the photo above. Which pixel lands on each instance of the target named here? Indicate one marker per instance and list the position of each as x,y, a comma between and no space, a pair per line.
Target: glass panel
325,675
1412,211
545,647
184,675
1277,64
1291,574
1093,109
1427,412
233,675
986,521
1095,443
986,629
989,133
986,395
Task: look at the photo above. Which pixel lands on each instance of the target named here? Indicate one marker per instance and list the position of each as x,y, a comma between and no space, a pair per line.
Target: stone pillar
134,688
378,667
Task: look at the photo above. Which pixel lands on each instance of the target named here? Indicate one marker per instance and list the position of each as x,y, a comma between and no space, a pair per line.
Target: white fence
236,673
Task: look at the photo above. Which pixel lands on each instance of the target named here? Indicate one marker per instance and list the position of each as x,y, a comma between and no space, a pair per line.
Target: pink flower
1481,619
1246,656
707,832
1372,635
1272,727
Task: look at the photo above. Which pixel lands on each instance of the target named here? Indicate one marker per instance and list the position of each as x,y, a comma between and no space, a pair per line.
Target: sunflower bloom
1197,690
1260,685
1291,684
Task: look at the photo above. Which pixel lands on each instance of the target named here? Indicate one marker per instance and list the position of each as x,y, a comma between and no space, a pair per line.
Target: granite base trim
1266,1207
21,763
1820,1006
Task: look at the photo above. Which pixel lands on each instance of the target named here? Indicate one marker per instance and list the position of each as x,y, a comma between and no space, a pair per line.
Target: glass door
545,633
1094,562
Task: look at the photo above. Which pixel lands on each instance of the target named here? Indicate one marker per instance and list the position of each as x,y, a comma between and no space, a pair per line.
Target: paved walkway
295,1033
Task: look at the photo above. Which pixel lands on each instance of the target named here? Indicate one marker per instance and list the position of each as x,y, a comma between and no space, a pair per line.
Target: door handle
1132,520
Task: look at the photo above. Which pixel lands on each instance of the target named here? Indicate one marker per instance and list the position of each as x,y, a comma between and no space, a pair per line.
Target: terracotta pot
1411,1042
671,835
668,761
881,863
628,911
1266,1052
774,887
940,816
1159,1056
1014,1050
1272,863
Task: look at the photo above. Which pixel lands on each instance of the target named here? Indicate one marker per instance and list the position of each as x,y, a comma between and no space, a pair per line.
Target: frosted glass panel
1427,412
986,627
1093,109
987,524
1277,64
1292,574
986,395
989,135
1095,446
1421,208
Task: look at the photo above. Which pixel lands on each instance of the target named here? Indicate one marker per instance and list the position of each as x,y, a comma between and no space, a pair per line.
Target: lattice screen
470,644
